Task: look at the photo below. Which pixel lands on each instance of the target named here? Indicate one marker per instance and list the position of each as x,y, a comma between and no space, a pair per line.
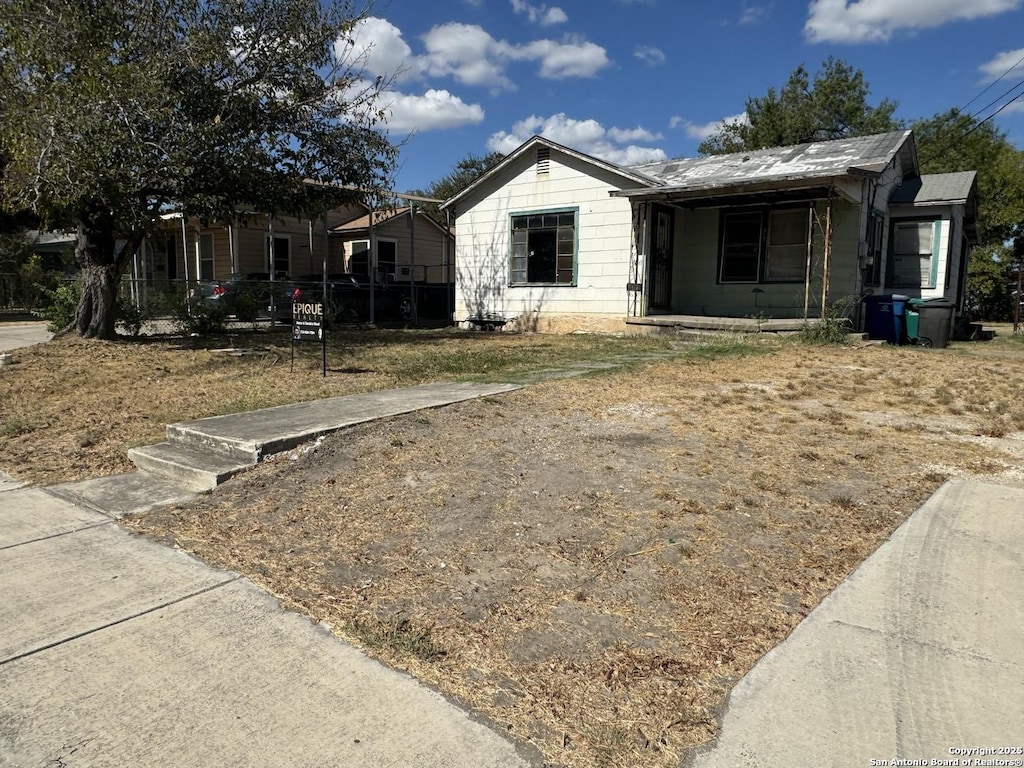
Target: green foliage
834,105
113,111
63,301
944,145
990,283
833,327
198,319
248,304
131,316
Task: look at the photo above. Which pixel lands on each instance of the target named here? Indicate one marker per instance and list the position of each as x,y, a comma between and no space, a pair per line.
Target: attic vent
543,160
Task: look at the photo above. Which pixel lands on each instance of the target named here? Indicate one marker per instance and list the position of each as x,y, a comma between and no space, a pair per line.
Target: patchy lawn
70,409
593,563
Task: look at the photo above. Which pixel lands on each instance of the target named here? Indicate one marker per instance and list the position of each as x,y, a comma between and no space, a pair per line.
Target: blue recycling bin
884,317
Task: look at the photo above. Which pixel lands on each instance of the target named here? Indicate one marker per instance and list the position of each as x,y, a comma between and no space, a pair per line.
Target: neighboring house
254,243
556,239
409,245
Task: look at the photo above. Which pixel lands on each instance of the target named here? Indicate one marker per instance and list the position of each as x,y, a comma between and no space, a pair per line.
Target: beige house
408,246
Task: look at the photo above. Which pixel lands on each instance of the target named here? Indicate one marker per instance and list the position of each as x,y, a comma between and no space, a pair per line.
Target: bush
131,317
198,319
833,327
60,312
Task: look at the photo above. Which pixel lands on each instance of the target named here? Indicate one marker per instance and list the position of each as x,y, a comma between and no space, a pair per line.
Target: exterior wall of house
696,289
603,232
431,262
946,250
250,245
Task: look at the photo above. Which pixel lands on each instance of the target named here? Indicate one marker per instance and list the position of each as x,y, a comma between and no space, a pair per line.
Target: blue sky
638,80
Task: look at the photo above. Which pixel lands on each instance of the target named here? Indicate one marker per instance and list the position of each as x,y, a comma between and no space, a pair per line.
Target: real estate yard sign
308,325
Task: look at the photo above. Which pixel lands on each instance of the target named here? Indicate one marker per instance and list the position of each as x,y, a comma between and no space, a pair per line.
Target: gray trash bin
935,321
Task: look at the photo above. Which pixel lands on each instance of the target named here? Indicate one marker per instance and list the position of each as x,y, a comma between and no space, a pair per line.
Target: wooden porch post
184,249
826,263
231,248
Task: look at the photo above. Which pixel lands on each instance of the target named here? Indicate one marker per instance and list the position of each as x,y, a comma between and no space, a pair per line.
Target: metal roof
933,188
823,159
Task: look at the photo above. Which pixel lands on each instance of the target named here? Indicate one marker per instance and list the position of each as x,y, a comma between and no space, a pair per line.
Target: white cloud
572,58
377,45
755,14
540,14
470,55
465,52
649,55
702,130
869,21
433,110
587,136
1003,63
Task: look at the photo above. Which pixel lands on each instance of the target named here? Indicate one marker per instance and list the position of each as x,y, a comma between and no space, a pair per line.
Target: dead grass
70,409
594,563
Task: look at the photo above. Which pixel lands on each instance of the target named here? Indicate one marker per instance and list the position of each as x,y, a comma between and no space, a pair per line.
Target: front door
661,259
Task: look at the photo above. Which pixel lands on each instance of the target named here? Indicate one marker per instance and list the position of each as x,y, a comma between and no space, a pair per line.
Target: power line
1013,67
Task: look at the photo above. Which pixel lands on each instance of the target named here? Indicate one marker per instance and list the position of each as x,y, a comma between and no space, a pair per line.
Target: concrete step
200,436
193,467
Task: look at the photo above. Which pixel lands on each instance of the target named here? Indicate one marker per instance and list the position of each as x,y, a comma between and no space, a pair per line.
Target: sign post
308,325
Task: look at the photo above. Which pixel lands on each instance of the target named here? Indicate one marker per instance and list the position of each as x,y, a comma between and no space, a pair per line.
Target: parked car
348,297
247,296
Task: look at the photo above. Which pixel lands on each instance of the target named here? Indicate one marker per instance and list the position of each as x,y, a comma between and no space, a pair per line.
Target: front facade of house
403,245
559,240
187,251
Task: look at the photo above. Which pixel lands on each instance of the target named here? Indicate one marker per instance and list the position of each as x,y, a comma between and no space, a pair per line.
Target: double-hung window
763,246
544,248
913,254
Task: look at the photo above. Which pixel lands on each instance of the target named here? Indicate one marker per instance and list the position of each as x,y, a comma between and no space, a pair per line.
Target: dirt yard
592,563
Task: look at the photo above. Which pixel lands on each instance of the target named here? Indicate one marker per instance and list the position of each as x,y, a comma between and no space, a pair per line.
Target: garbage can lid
935,301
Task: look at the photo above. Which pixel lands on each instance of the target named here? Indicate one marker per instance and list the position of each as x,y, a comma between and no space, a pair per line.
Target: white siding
603,232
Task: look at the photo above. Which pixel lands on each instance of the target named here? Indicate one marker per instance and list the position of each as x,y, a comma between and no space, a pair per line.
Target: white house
555,239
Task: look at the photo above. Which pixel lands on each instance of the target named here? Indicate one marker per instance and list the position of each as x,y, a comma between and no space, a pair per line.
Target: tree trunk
101,267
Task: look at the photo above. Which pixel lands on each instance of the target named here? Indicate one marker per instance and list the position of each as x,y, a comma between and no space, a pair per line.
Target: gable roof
361,224
630,174
936,188
782,166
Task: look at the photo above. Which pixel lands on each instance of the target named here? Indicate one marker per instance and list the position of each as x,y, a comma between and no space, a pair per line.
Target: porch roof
778,168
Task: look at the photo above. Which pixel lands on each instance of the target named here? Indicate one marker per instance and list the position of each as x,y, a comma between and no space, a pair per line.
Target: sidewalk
117,651
919,653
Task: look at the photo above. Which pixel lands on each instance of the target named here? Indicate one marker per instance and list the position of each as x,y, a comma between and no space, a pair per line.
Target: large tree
832,105
117,110
954,141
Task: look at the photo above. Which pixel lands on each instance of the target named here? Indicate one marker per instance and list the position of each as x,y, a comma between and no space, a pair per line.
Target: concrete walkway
117,651
918,655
